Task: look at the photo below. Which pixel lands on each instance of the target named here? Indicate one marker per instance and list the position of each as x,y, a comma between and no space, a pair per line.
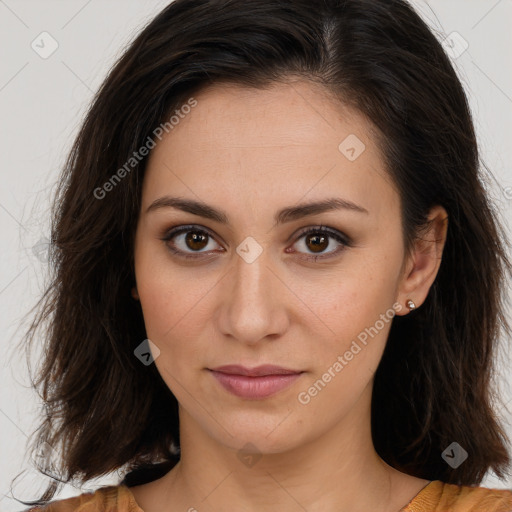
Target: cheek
355,297
172,309
172,300
359,313
357,307
174,314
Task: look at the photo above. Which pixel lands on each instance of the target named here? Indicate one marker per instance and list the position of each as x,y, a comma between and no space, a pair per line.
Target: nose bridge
250,275
251,306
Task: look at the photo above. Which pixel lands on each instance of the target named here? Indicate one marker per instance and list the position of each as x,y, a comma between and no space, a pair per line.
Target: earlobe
135,294
426,259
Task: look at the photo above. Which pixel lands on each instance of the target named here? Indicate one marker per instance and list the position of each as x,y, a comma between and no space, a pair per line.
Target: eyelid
324,229
180,228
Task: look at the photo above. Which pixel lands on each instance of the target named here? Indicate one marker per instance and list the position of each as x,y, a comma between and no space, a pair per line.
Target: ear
135,294
424,260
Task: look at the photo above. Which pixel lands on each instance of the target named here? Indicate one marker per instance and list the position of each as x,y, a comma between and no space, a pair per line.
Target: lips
258,371
255,383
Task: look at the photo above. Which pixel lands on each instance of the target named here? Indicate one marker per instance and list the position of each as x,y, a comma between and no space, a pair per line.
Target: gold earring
410,304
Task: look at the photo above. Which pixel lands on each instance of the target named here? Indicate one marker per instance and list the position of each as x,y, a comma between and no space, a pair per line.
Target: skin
250,153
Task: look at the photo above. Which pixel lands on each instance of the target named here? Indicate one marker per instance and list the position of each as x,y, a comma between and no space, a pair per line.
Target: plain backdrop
43,98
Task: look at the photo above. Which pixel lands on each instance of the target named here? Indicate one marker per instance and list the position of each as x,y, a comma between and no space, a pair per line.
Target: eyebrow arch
285,215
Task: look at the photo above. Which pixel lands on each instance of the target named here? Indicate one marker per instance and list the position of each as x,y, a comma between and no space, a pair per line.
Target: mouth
255,383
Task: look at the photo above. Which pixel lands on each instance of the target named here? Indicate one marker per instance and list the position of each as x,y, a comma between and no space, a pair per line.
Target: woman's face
243,288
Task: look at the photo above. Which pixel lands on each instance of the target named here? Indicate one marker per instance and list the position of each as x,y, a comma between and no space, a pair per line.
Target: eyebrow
288,214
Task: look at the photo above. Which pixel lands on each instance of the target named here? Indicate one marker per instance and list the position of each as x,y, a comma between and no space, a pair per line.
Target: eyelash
319,230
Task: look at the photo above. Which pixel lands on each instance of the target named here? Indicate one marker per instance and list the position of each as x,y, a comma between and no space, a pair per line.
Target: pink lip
258,371
255,383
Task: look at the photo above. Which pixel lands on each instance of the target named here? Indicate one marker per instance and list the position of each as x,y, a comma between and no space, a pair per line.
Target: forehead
300,113
292,138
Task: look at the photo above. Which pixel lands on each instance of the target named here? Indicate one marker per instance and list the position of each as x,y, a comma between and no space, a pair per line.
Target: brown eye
187,240
196,240
317,242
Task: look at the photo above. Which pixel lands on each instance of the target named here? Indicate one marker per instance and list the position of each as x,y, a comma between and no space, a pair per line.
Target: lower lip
255,388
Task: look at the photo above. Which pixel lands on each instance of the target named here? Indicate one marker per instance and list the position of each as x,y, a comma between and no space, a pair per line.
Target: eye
192,241
189,238
318,239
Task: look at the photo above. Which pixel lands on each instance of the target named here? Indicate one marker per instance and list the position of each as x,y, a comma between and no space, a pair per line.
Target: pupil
319,242
193,238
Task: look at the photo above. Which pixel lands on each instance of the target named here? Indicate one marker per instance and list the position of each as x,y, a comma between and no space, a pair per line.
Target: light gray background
42,103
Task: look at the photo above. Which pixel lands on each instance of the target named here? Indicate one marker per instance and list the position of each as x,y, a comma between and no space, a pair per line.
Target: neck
337,471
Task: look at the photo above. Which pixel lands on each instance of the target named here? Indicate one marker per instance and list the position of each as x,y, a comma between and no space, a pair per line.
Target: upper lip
258,371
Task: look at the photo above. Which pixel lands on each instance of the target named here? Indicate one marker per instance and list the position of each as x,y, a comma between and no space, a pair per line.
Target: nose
253,303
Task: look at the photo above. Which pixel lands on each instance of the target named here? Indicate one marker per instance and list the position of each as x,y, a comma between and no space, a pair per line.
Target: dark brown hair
104,410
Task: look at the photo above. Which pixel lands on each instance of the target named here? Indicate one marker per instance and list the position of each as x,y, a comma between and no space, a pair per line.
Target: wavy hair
103,410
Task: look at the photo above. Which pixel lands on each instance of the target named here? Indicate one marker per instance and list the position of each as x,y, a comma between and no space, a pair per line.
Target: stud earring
410,304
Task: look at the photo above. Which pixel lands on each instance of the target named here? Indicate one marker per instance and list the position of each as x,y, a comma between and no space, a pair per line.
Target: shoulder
475,499
442,497
106,499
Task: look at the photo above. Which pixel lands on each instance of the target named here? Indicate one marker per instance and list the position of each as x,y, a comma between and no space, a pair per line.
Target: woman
278,279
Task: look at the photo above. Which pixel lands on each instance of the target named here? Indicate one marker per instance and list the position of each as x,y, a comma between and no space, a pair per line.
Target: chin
271,436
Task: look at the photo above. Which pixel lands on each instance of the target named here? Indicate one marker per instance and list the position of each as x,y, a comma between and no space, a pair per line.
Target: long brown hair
104,410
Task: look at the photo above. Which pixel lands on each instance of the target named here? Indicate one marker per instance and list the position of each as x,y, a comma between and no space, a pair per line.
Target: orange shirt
434,497
440,497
